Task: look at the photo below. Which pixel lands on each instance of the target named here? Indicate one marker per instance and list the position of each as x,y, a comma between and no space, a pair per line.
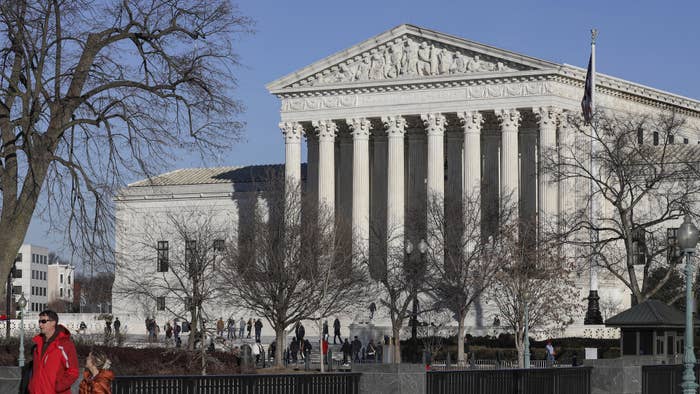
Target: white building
405,113
60,283
32,281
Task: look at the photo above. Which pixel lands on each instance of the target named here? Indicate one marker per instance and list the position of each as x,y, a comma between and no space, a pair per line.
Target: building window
33,274
670,139
60,280
160,303
18,273
16,289
190,251
60,291
640,136
19,258
69,293
656,138
68,279
685,141
163,256
639,246
219,245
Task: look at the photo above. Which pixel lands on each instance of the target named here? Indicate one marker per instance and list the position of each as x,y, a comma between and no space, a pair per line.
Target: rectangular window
33,274
18,273
656,138
69,293
68,279
640,136
160,303
219,245
191,257
163,256
60,292
19,258
639,246
16,289
685,141
670,139
33,258
60,279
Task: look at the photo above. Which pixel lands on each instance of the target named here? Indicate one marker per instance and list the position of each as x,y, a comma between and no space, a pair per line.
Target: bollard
246,356
329,360
307,361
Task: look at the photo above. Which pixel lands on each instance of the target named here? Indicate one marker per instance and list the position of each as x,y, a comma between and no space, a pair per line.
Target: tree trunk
204,354
279,350
397,344
460,339
519,346
194,327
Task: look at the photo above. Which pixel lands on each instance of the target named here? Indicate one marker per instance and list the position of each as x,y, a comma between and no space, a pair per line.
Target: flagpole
593,315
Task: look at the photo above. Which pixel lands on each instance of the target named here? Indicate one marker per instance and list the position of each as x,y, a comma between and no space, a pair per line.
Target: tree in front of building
93,94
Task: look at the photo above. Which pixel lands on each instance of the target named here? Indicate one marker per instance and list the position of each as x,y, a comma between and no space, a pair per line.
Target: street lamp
21,303
422,248
687,240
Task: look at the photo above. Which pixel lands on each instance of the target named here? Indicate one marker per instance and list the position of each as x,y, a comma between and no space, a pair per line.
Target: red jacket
56,369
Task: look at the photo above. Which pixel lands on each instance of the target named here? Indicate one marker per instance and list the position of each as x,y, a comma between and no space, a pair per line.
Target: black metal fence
511,381
329,383
664,379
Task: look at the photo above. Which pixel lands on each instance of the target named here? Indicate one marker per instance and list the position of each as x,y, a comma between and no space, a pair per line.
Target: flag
587,102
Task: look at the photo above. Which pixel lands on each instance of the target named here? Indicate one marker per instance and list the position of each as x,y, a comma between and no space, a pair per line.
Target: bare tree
93,292
174,264
643,180
533,275
460,261
293,262
93,93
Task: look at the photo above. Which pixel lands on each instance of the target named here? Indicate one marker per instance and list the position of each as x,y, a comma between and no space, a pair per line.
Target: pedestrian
307,349
220,327
258,329
325,329
301,332
550,353
55,365
241,328
346,349
83,328
371,350
294,349
324,349
356,347
117,326
108,327
231,328
336,331
168,332
272,349
372,309
97,377
249,326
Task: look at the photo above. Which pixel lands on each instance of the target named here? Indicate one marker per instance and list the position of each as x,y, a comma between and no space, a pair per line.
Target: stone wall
621,375
391,378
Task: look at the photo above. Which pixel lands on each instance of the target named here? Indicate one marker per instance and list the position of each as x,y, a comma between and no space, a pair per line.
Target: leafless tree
460,263
644,179
174,262
92,291
95,93
533,275
293,262
433,329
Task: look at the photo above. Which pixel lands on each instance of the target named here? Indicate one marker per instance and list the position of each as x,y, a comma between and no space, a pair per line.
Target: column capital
434,123
326,129
471,121
292,131
509,119
360,128
395,125
547,116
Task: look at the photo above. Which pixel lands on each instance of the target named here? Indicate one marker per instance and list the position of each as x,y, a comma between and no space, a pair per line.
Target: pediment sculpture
408,58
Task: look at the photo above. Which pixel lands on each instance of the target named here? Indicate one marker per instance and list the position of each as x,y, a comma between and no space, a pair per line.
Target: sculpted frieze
408,57
313,103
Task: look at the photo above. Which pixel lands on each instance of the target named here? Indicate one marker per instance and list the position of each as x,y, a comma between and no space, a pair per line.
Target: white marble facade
412,112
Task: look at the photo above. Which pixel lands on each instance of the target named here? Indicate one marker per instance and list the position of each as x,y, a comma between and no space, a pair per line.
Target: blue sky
649,42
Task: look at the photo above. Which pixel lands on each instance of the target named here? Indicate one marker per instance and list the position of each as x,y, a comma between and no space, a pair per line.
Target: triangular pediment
407,53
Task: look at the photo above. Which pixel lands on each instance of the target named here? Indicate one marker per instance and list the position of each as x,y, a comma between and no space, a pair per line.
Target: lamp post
21,303
422,248
526,340
687,240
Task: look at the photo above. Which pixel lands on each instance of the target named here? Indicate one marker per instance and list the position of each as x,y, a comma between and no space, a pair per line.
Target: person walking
241,328
324,334
258,329
231,328
301,332
168,332
550,353
371,351
220,327
356,347
97,377
336,331
294,349
55,361
249,326
346,349
117,326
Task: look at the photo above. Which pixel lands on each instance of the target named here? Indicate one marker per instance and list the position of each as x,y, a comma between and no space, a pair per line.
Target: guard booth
650,328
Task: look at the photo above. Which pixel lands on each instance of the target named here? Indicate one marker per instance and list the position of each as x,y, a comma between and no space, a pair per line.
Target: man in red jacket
55,362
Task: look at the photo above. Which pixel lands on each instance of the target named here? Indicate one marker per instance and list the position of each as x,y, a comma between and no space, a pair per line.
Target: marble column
360,128
435,128
327,131
292,132
510,163
547,118
395,129
568,192
471,184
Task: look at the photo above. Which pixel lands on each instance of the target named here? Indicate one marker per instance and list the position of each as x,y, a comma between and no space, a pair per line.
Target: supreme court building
413,112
